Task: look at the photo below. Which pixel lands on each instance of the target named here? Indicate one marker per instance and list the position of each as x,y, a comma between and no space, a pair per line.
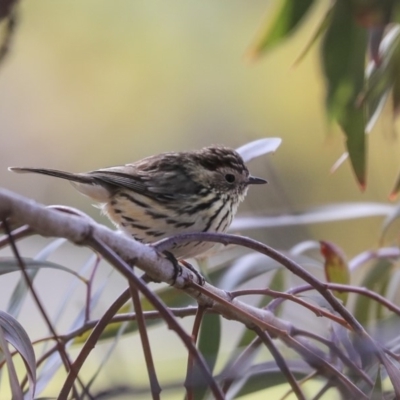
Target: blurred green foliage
352,33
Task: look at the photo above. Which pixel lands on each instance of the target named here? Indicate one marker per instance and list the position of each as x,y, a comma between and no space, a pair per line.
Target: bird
167,194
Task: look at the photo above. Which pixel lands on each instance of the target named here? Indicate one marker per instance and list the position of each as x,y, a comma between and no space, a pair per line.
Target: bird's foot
200,279
178,268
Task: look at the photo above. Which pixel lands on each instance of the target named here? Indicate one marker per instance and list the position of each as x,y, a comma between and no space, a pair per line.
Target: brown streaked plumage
167,194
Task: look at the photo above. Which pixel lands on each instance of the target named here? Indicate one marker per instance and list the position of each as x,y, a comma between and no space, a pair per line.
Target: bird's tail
79,178
84,183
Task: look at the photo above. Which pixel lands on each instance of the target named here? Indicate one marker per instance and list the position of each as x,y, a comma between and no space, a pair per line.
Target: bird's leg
200,279
178,268
175,264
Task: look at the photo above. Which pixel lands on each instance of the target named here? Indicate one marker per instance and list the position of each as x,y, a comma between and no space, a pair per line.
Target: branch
122,251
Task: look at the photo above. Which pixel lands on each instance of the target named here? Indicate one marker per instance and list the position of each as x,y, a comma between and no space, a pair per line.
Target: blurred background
100,83
95,84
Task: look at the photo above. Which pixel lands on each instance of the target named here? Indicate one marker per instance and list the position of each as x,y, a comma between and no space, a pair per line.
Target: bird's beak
252,180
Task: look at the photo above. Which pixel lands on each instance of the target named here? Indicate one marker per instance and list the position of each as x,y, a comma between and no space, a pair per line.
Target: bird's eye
230,178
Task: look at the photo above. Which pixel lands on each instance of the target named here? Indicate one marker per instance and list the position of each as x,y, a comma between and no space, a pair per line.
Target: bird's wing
123,180
163,184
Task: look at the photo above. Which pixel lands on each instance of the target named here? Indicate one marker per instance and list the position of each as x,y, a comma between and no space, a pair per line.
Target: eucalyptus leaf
208,343
328,213
367,310
343,54
287,19
15,334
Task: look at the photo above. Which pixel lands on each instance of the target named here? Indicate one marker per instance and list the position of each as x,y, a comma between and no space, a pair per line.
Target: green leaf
323,25
208,343
367,310
353,124
286,20
343,57
209,338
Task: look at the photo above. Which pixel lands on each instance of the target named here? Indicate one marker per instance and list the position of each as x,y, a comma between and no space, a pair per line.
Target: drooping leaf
367,310
15,334
353,124
343,58
336,267
209,338
287,19
208,344
323,25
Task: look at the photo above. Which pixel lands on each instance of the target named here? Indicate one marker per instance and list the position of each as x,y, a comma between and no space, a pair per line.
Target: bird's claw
178,268
200,278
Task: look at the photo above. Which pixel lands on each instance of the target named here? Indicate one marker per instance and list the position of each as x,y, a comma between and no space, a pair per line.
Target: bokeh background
99,83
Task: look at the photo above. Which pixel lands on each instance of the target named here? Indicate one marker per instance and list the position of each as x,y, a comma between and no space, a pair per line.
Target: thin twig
166,244
156,302
154,385
91,343
280,362
283,330
189,381
319,312
49,222
18,233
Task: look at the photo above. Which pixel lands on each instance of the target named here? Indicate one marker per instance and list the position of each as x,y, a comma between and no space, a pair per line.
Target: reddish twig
319,312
